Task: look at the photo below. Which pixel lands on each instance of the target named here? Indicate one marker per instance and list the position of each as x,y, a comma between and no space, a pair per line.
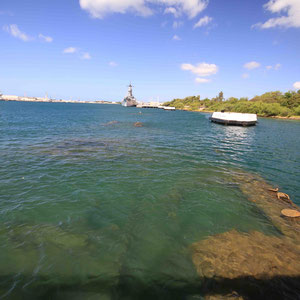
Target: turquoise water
93,207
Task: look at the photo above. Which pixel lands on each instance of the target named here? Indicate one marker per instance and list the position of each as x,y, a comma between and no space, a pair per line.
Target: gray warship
129,100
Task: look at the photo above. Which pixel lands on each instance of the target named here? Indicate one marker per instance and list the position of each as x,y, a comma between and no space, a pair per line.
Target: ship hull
129,102
126,104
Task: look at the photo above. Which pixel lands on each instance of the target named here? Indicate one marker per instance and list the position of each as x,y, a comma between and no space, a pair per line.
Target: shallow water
93,207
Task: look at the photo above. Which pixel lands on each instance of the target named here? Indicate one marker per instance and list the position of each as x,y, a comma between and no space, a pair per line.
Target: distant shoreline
43,100
37,100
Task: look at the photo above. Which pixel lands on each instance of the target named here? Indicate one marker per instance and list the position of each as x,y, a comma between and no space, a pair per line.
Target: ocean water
92,207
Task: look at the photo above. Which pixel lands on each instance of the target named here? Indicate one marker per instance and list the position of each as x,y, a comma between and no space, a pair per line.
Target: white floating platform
169,108
230,118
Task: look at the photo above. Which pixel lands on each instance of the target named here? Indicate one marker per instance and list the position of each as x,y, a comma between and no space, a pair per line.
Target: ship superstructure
129,100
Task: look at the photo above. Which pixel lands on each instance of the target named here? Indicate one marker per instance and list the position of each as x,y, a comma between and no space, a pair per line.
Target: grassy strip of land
271,104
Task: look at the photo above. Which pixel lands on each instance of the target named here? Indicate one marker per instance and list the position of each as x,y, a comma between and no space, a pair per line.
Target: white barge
230,118
169,108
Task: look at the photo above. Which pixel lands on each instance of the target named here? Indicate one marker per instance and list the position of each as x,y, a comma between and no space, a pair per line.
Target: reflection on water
238,135
234,142
111,212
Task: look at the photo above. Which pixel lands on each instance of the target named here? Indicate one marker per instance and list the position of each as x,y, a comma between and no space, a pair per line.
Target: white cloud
100,8
245,75
252,65
47,39
296,85
173,11
14,30
190,7
276,67
201,69
290,17
86,56
80,54
202,80
70,50
113,64
203,21
176,38
177,24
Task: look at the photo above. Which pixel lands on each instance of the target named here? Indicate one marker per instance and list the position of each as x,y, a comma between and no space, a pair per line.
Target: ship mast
130,90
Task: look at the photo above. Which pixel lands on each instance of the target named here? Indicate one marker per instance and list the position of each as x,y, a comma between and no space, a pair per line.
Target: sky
92,49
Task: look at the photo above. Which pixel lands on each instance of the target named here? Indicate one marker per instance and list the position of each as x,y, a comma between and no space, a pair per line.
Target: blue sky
92,49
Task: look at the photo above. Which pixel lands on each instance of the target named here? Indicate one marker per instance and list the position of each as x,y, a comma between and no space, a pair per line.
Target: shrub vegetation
267,105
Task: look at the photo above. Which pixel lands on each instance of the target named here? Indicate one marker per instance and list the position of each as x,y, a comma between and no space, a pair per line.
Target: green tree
297,111
221,96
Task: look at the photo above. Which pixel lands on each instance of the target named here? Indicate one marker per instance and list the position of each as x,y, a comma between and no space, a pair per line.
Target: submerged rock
258,266
37,235
291,213
284,197
230,296
79,148
111,123
53,256
138,124
258,191
234,254
255,265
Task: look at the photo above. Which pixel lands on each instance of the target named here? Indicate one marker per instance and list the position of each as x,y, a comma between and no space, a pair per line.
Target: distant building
129,100
10,97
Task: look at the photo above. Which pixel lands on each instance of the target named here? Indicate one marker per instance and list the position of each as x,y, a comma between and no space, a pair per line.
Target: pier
156,105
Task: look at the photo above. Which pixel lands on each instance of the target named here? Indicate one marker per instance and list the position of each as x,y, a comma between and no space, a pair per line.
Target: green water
95,209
